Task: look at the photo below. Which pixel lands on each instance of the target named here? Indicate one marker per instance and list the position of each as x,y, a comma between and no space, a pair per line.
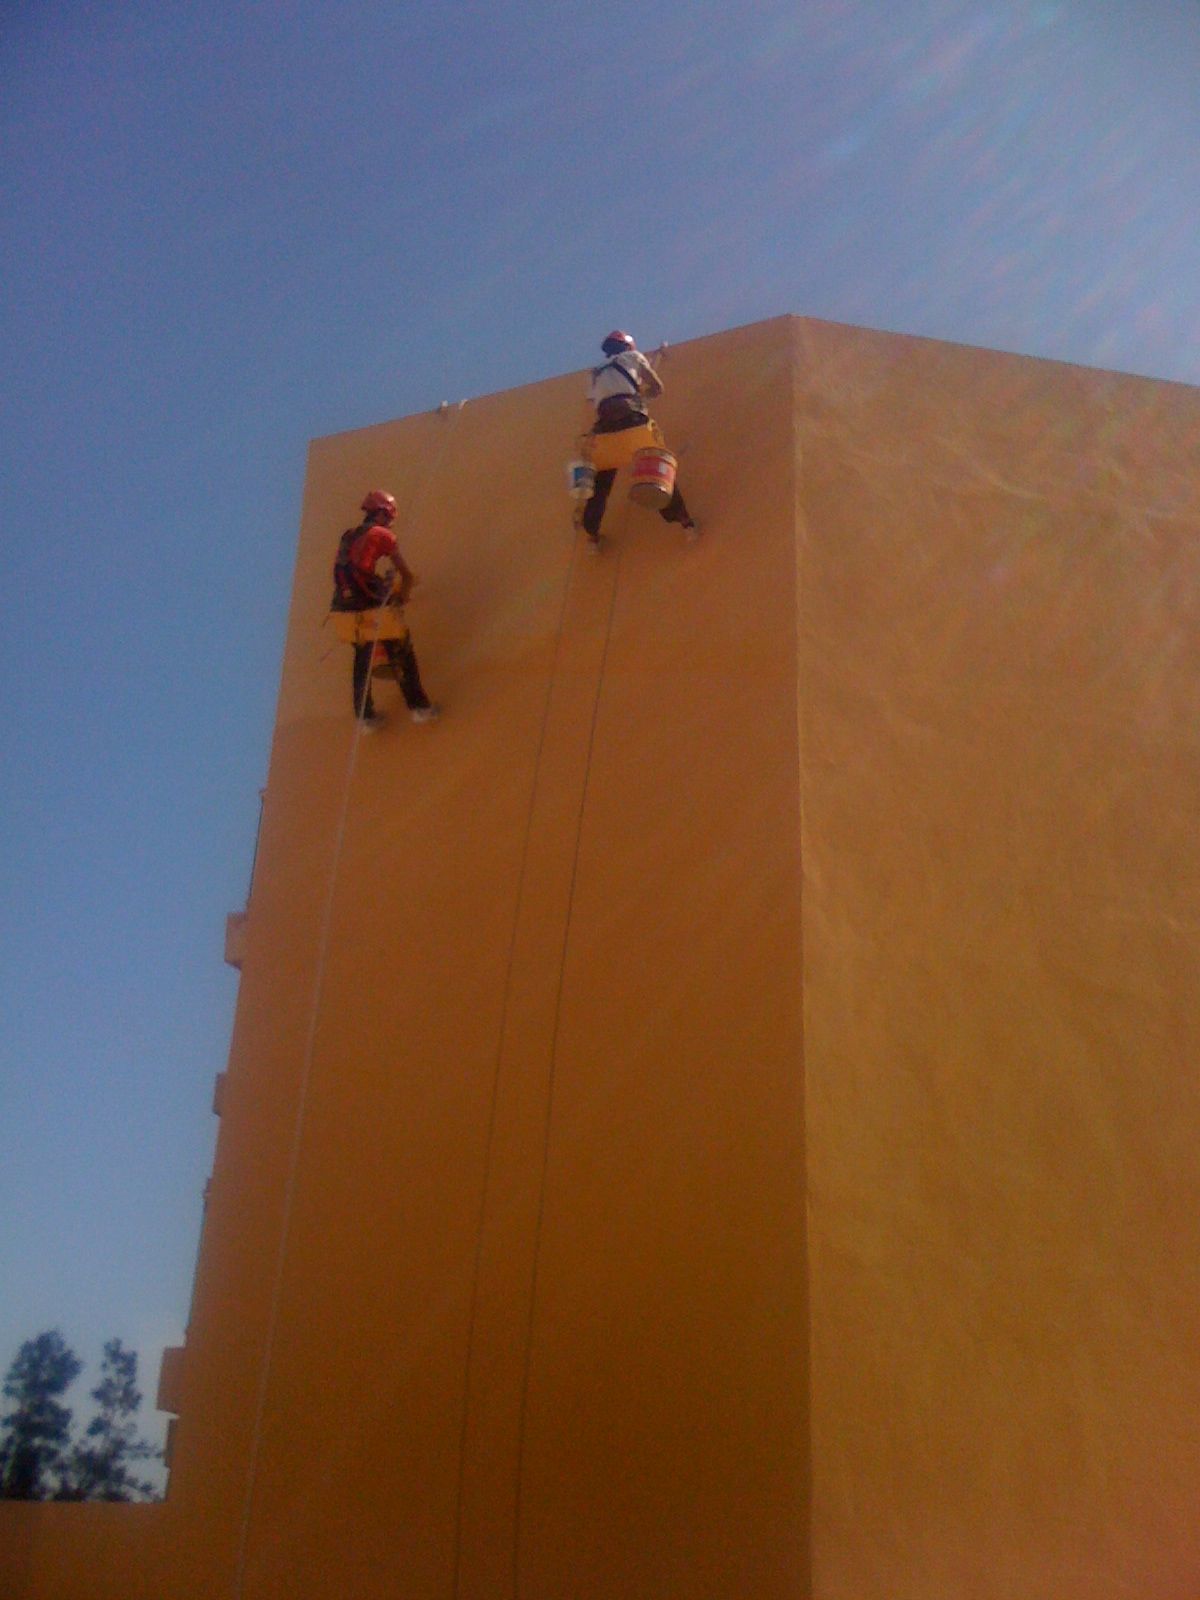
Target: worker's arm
651,383
405,580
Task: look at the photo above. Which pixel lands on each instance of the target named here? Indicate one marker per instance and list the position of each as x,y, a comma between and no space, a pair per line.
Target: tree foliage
35,1433
39,1458
100,1466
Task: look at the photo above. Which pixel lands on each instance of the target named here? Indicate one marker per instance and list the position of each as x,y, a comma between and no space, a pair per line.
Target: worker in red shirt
375,601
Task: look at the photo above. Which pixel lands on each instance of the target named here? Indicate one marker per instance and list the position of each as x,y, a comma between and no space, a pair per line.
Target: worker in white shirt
619,390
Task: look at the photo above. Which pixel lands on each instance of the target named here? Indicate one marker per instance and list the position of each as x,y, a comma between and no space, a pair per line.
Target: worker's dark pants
402,659
593,512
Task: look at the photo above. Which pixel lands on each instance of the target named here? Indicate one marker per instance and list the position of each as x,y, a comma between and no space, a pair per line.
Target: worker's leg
363,706
676,511
593,512
403,659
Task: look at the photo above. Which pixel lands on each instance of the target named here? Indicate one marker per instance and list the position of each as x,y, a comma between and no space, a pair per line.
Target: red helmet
617,341
380,500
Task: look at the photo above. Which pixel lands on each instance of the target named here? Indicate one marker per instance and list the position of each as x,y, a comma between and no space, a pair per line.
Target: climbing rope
527,1360
485,1189
489,1147
450,416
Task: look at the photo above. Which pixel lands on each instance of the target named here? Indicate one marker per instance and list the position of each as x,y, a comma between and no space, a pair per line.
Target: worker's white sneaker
595,544
691,531
374,722
428,713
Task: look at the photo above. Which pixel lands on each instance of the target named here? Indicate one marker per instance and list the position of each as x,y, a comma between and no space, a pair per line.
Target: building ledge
170,1379
235,938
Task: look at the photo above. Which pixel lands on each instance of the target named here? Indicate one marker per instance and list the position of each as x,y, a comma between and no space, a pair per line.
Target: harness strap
615,365
367,589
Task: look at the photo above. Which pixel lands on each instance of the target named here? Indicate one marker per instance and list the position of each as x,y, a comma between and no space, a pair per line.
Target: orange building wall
1000,682
712,1116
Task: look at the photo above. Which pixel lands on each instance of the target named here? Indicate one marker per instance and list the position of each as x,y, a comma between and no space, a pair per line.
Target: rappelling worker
369,609
618,391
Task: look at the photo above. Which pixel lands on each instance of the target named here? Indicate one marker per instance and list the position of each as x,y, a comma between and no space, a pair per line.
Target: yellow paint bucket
365,627
611,451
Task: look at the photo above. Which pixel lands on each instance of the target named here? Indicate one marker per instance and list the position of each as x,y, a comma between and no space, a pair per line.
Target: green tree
101,1466
35,1433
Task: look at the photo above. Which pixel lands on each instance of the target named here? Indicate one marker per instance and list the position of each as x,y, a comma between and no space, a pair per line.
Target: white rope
548,1129
239,1576
485,1190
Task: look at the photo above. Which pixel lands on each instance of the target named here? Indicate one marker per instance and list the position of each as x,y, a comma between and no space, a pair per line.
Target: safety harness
353,589
619,409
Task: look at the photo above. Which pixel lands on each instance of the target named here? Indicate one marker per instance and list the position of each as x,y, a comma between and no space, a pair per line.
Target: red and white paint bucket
653,478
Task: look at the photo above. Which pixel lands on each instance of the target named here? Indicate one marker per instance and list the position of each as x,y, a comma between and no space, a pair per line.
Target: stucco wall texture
715,1116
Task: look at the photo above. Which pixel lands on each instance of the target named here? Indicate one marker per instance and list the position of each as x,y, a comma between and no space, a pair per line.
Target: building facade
715,1116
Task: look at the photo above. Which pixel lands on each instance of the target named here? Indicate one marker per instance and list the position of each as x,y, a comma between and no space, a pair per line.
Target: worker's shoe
691,530
429,713
373,721
595,543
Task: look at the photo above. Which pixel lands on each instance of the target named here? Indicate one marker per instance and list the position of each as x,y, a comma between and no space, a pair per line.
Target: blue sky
225,230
